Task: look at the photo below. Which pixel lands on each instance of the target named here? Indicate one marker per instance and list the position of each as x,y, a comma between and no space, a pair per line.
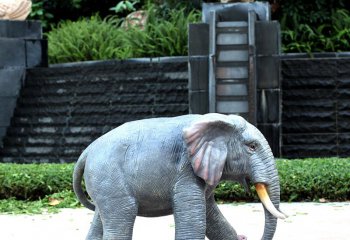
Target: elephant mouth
266,201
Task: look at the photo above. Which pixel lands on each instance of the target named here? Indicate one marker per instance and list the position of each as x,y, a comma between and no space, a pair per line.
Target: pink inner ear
199,158
196,164
205,172
206,149
191,135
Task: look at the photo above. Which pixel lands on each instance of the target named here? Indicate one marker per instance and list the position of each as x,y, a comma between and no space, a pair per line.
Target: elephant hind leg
118,217
96,228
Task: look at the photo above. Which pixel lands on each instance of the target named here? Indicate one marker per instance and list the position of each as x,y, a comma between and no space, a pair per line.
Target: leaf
54,202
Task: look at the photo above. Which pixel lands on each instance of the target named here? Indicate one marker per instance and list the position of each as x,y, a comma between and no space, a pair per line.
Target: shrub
34,181
87,39
162,36
301,180
324,28
330,36
97,39
313,179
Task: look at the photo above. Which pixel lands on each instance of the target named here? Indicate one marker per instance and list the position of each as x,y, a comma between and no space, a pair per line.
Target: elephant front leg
189,210
218,227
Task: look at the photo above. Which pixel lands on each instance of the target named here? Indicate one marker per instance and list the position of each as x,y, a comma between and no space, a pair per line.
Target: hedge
301,180
34,181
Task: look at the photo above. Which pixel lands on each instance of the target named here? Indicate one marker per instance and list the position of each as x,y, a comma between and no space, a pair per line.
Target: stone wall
62,109
316,107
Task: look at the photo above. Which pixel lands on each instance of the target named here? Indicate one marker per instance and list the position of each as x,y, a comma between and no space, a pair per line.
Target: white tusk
265,199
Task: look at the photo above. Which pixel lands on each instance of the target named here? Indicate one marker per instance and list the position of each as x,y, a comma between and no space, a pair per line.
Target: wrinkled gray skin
164,166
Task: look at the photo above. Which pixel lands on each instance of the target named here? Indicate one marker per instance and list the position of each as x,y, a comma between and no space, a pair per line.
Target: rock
136,19
15,9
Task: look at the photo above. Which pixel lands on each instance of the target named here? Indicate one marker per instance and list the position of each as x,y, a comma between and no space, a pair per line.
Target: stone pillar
21,47
198,43
269,102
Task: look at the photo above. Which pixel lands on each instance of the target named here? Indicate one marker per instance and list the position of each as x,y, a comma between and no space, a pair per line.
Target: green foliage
15,206
50,12
34,181
87,39
97,39
123,6
38,13
51,203
162,36
313,179
179,4
319,26
332,36
33,188
296,12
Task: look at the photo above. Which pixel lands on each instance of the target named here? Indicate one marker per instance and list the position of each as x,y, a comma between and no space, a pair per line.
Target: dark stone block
272,133
198,71
7,106
268,72
307,68
317,105
198,102
344,138
12,52
178,67
344,82
198,39
309,127
343,65
11,79
344,93
36,53
309,116
2,135
308,151
20,29
344,150
309,94
309,139
269,106
309,82
268,38
344,144
343,125
343,115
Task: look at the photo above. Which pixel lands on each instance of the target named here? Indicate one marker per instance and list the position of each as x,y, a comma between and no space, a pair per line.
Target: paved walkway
307,221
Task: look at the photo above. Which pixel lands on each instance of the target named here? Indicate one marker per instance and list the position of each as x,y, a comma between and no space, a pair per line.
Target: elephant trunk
265,178
270,198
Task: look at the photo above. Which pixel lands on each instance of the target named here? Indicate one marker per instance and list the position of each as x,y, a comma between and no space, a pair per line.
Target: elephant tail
77,180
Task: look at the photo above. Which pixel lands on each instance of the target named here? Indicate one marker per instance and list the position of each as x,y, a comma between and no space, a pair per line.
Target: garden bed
34,187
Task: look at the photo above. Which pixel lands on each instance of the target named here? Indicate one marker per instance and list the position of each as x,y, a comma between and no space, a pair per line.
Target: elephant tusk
265,199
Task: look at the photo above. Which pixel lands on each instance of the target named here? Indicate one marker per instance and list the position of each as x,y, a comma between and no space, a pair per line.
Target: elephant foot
242,237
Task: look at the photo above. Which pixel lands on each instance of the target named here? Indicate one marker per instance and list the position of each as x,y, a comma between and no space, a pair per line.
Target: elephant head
222,147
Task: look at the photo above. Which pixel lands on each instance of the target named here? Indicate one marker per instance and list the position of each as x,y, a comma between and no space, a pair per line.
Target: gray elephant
160,166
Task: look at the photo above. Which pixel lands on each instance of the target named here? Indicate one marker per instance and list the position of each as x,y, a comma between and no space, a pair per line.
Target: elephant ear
206,141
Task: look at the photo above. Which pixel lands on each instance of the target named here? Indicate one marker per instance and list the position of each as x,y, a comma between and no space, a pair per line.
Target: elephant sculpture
161,166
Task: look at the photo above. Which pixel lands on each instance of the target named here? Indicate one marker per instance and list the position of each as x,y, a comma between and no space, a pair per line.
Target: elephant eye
252,146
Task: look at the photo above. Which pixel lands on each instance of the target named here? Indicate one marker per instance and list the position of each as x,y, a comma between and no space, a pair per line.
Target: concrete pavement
307,221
